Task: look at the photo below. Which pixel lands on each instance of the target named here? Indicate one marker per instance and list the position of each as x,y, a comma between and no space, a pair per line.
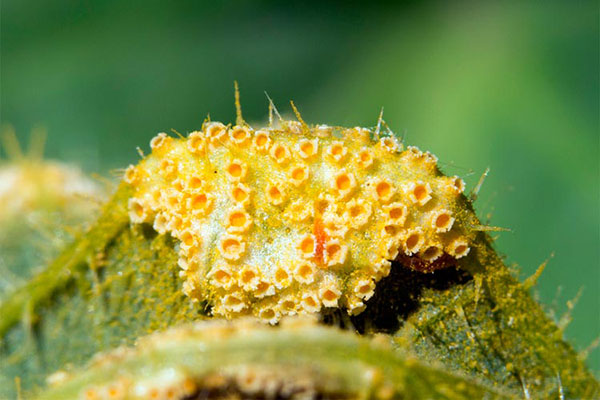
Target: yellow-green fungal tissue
288,220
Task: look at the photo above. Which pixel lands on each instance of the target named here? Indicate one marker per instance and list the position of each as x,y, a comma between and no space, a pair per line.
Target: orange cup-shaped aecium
176,223
418,192
222,275
310,302
240,194
281,277
131,175
172,200
413,241
335,252
288,306
357,134
419,158
160,141
453,184
390,143
268,314
275,193
337,151
263,288
236,170
364,288
431,253
335,225
381,269
183,263
232,247
240,135
199,202
294,127
354,305
249,278
304,272
307,246
160,223
343,183
458,248
329,292
323,130
196,143
325,203
364,158
280,153
178,184
307,148
382,189
330,296
299,174
191,254
431,158
357,213
238,220
413,152
216,133
168,168
194,182
138,211
396,213
261,141
188,238
234,302
442,220
390,247
390,230
156,194
459,184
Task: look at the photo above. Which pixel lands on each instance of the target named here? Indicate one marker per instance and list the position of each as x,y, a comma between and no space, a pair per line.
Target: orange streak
321,237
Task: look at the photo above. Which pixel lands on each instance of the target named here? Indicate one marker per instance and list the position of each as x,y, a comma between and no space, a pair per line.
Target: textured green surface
491,327
43,204
110,286
118,282
338,364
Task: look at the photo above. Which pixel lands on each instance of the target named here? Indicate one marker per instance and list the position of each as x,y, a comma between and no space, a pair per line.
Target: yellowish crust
283,221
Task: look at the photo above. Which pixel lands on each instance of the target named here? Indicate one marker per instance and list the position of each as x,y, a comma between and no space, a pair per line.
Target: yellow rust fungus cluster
282,221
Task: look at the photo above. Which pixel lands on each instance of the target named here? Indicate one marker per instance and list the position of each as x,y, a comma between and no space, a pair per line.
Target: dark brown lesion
420,265
398,295
228,389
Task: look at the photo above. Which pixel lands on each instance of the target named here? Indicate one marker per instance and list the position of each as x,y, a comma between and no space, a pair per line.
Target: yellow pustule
280,221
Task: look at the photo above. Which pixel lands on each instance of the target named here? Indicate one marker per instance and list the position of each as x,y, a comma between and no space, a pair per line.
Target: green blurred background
509,85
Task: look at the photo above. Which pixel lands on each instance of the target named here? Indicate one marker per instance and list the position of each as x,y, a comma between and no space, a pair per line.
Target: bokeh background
513,86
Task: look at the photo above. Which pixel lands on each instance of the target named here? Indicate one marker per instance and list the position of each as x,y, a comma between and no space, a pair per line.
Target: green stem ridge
332,362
